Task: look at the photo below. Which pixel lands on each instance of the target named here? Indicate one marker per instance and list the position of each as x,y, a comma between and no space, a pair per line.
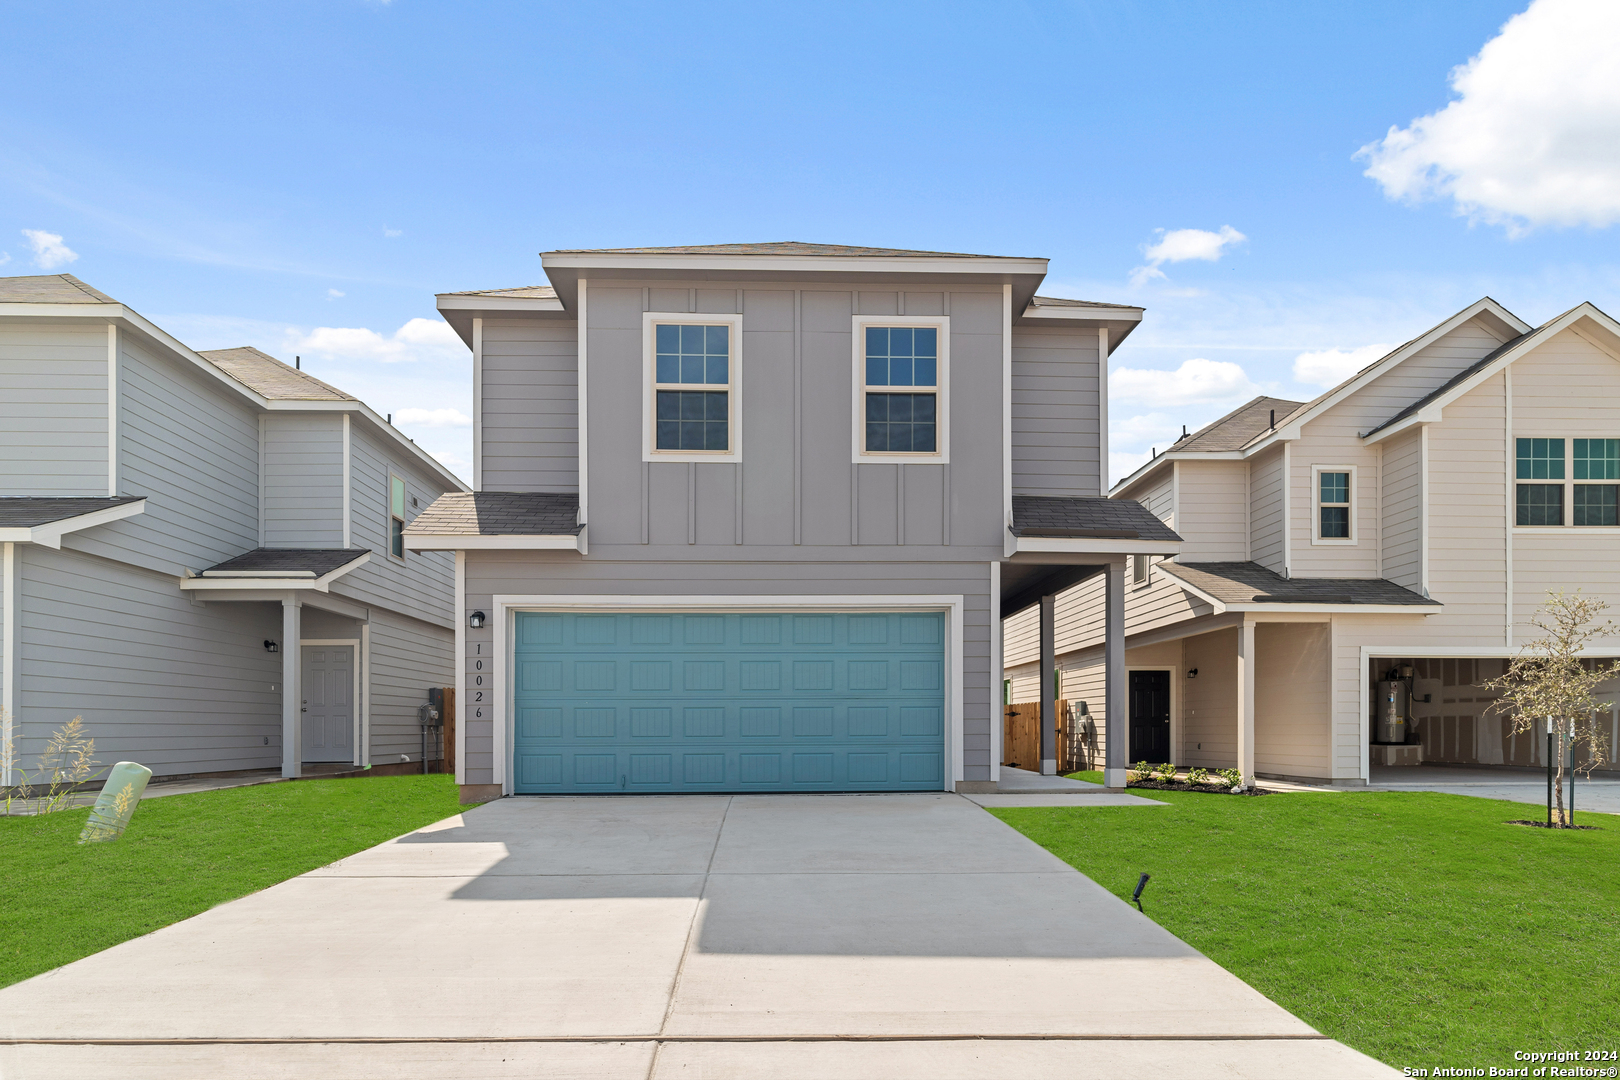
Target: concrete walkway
786,936
1599,794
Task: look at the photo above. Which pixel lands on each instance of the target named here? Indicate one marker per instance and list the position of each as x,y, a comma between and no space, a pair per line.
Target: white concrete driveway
787,936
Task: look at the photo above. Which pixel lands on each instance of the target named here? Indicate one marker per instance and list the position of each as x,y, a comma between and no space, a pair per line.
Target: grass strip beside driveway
183,854
1416,927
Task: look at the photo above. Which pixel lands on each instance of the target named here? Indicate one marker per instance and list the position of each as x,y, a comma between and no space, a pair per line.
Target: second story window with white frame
901,382
1335,487
396,516
692,405
1566,482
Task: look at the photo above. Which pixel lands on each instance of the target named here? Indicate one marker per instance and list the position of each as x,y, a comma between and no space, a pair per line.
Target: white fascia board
1093,546
820,264
1341,609
1377,370
1433,412
276,594
498,303
1085,314
50,534
284,580
462,542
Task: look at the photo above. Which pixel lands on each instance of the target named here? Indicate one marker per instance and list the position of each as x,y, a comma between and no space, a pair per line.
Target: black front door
1150,716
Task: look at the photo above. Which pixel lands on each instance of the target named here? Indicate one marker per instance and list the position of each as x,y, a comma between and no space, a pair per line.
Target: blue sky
305,176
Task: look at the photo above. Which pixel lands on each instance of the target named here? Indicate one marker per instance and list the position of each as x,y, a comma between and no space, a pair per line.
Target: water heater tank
1389,715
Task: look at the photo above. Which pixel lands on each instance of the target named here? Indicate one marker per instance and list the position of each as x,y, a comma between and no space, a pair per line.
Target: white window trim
942,391
1147,572
734,369
388,511
1317,539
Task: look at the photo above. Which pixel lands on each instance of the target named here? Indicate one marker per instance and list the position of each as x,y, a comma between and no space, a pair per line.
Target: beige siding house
1393,537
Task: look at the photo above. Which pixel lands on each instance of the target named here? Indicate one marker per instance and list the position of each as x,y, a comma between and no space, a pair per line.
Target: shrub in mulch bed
1182,785
1545,825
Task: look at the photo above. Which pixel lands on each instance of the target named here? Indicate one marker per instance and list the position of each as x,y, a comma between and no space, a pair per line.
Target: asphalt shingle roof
269,377
1239,427
50,289
1467,372
785,247
1251,583
498,513
24,512
1075,516
316,561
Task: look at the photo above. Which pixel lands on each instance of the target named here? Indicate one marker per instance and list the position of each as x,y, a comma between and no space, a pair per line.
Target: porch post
292,690
1246,702
1116,722
1048,705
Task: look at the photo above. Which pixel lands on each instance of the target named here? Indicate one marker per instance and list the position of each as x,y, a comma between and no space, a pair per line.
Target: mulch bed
1182,785
1544,825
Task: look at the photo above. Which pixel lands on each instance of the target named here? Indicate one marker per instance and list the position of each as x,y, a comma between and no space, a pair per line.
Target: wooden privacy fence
1021,738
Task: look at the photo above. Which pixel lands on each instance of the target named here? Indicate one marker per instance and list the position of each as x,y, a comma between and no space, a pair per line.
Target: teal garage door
748,702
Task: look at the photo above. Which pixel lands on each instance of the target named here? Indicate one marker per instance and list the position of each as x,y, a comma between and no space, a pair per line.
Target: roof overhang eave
1024,545
51,532
465,542
258,581
565,269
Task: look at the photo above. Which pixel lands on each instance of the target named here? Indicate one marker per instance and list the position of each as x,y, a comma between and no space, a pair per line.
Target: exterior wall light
1192,673
270,646
476,620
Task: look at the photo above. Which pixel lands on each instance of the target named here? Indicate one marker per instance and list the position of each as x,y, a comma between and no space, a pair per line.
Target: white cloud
1330,367
1195,382
1533,137
392,232
335,294
1145,428
49,251
5,257
1180,245
1121,463
433,418
419,339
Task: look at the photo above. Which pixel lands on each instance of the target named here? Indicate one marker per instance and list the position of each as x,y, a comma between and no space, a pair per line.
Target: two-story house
1353,567
202,553
748,517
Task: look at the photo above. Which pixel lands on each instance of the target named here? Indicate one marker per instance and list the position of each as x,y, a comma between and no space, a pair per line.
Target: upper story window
396,516
901,367
1335,505
1139,569
692,402
1547,483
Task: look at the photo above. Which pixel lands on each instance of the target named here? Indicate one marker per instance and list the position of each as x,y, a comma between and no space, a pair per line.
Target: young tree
1549,679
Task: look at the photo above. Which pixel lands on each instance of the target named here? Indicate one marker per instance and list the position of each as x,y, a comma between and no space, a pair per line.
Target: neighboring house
197,550
748,516
1411,520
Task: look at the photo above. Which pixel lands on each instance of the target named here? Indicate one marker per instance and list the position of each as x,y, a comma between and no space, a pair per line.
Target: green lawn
1417,928
183,854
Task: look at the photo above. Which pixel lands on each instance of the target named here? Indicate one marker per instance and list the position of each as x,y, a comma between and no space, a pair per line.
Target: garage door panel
745,702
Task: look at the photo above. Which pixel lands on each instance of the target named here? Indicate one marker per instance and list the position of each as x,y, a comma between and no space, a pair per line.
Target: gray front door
328,703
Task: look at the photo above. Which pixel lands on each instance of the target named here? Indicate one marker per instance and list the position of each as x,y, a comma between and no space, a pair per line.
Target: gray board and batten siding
813,522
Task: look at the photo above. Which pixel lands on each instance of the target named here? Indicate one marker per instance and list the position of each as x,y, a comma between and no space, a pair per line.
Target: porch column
1116,721
1246,702
1047,687
292,690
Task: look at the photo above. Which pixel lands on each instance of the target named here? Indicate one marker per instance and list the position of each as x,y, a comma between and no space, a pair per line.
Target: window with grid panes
1539,460
1333,505
901,390
396,516
1596,504
692,377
